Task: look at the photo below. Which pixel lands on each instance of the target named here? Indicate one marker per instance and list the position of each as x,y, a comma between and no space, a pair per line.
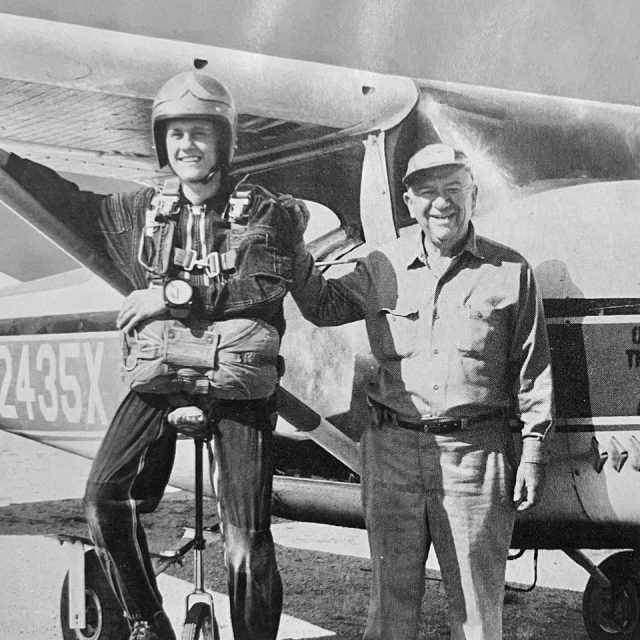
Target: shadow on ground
327,590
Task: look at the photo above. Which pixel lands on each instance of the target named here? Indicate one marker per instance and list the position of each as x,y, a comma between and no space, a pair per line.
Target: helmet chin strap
215,170
212,174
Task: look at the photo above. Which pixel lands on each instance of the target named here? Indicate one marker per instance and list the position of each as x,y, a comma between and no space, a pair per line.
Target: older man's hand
141,305
530,479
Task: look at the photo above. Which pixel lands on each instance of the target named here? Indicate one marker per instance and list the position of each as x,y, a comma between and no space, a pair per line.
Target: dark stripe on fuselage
64,323
578,307
562,427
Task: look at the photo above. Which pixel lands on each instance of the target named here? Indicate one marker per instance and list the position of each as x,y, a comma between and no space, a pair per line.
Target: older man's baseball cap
431,156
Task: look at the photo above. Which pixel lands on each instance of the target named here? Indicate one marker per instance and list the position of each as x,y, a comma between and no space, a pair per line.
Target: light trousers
456,491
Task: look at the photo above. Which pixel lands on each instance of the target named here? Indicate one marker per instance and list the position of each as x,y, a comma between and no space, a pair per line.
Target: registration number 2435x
52,381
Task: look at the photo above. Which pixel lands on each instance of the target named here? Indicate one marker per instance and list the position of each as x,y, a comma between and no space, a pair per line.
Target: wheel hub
620,611
93,617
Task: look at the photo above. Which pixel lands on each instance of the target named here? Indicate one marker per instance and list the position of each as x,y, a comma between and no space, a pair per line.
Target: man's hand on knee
530,479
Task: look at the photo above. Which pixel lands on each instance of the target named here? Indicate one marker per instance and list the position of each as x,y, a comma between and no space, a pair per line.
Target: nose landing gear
104,619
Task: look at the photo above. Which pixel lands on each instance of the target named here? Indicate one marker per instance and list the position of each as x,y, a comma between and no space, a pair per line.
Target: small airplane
557,176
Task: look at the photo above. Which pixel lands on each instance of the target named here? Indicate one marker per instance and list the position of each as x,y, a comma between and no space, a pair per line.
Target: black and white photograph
319,319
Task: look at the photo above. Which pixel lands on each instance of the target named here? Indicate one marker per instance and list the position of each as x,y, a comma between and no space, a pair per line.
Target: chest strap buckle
238,204
213,267
185,258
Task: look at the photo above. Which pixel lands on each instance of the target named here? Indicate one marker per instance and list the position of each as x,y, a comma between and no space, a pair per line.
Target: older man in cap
457,328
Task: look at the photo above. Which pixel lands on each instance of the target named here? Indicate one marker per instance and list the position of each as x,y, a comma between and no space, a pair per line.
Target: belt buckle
442,426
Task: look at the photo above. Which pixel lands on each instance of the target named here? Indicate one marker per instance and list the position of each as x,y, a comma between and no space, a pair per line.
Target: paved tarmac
33,567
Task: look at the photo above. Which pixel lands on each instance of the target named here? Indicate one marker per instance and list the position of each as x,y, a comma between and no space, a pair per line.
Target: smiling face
442,200
192,148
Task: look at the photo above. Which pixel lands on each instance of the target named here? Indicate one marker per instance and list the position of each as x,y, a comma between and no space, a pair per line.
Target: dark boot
159,629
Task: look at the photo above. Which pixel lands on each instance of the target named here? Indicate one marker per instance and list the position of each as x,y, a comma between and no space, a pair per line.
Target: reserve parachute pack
231,359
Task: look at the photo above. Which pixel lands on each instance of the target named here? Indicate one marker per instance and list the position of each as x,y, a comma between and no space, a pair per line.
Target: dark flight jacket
113,223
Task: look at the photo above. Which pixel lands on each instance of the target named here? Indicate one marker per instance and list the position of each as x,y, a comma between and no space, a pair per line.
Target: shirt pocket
481,329
399,331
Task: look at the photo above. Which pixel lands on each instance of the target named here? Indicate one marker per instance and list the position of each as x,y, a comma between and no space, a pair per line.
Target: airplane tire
105,620
617,614
198,624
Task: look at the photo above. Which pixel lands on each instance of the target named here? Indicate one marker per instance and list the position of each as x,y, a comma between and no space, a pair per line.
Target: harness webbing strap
157,253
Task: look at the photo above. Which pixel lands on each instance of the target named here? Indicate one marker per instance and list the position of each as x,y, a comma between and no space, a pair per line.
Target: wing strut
321,431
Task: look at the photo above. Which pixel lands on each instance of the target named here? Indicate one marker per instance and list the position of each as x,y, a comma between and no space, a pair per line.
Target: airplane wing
79,98
535,138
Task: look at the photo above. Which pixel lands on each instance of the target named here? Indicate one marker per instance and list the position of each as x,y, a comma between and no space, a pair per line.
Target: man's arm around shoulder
332,301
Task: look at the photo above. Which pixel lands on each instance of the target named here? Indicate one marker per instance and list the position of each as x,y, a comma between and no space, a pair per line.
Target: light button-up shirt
453,345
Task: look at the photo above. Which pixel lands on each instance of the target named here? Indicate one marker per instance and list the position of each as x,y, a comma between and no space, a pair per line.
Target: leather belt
449,425
435,425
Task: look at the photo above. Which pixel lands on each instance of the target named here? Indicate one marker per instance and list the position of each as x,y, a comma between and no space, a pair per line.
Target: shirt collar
217,202
419,259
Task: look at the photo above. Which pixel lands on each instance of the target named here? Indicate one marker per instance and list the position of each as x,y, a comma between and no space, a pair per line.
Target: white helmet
195,94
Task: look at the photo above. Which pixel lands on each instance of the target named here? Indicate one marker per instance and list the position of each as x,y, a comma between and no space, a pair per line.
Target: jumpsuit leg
242,478
471,517
394,503
128,477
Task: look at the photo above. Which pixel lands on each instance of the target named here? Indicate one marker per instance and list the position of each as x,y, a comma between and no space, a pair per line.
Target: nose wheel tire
104,617
199,625
615,613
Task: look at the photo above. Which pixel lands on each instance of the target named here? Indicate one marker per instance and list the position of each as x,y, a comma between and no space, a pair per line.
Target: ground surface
326,589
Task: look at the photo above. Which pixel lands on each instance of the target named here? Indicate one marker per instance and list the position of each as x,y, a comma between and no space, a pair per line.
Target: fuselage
61,370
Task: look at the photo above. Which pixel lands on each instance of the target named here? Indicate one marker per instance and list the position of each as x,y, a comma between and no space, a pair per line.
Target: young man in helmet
194,124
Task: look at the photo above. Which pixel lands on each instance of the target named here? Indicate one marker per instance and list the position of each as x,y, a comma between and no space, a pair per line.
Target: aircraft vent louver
598,457
635,449
618,454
